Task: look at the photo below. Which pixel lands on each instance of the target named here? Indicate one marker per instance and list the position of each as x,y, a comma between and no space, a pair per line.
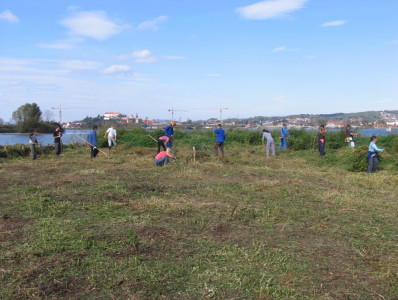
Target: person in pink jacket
162,158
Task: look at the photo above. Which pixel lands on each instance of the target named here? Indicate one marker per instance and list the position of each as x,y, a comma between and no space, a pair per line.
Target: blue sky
262,58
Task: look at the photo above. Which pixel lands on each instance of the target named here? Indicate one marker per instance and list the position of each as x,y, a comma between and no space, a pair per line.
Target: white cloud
270,9
152,24
334,23
117,70
283,48
310,57
62,44
93,24
8,16
139,56
143,56
279,49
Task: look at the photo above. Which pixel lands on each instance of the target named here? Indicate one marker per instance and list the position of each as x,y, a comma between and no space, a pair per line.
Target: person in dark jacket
219,141
57,140
350,136
92,141
321,140
169,131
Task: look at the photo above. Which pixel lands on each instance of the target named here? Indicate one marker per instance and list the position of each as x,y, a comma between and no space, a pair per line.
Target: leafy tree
48,116
27,117
321,121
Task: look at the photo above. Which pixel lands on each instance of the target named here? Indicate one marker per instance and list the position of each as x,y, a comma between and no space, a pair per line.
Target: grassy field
289,227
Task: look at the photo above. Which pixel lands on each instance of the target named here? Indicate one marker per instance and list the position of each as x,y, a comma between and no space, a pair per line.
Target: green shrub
20,150
394,145
356,159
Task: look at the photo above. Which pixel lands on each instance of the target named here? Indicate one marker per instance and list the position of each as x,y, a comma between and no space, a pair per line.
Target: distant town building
334,124
111,115
71,125
149,122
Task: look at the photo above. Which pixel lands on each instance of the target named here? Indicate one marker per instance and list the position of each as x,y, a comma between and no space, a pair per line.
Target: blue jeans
283,142
321,147
162,162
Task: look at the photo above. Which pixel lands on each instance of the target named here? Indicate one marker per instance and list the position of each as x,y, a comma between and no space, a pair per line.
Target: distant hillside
368,116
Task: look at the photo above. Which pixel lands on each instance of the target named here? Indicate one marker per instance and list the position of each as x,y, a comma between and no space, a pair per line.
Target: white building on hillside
111,115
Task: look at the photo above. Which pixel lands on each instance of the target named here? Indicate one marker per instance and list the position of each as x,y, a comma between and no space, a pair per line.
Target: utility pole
221,109
60,112
172,110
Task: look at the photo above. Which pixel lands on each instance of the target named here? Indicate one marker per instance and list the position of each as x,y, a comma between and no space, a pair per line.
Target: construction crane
60,108
172,110
220,108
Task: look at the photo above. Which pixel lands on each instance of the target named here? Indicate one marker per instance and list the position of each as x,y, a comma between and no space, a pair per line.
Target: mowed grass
247,227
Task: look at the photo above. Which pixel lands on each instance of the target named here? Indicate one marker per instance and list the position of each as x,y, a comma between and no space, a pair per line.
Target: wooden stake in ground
194,154
93,146
313,144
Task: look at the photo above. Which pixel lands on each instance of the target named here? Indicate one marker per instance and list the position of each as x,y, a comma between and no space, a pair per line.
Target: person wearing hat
282,137
169,131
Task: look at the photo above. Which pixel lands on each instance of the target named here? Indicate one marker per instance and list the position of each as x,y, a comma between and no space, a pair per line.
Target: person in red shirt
162,158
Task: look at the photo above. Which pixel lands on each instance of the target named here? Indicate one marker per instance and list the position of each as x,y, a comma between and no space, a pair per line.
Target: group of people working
372,156
165,142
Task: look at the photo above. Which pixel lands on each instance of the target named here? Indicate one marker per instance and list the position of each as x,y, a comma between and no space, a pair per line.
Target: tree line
27,118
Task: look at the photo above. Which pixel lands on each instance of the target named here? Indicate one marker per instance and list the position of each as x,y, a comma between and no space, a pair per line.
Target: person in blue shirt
219,141
92,141
169,131
283,136
372,156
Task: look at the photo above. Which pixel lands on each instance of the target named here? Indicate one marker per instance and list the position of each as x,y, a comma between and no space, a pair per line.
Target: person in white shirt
111,133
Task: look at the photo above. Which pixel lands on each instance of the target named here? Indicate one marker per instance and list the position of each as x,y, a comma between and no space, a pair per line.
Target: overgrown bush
23,150
302,140
355,159
394,145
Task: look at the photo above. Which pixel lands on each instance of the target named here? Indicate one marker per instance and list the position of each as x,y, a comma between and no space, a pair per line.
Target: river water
76,135
69,136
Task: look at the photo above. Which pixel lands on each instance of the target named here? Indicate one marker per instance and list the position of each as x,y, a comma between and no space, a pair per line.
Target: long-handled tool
152,138
93,146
